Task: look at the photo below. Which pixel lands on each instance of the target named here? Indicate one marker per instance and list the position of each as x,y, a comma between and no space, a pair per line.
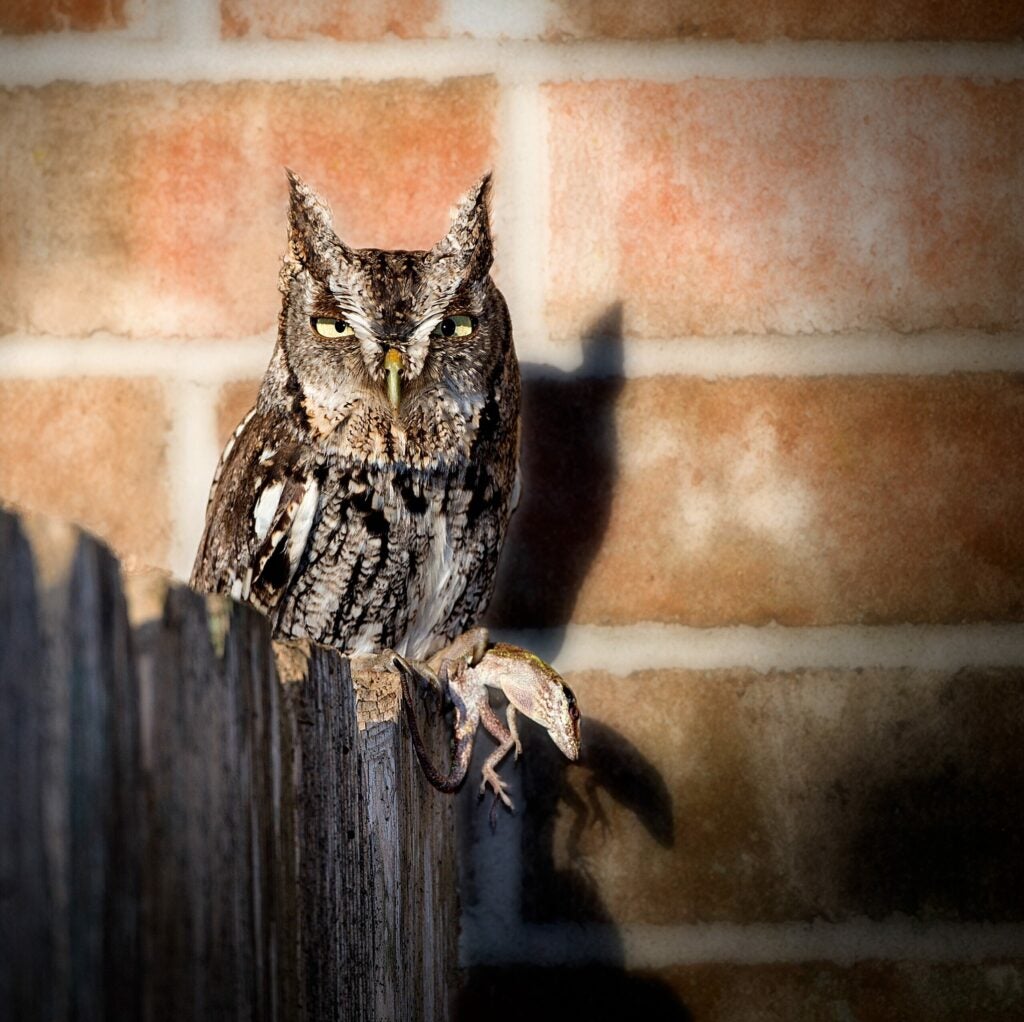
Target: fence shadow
569,463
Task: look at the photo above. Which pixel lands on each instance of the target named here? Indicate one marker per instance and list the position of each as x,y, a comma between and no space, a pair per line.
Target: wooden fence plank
203,824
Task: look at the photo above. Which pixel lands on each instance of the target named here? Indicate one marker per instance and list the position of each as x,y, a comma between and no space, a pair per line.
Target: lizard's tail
447,783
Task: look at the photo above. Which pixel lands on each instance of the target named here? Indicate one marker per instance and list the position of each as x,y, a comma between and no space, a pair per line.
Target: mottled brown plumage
362,520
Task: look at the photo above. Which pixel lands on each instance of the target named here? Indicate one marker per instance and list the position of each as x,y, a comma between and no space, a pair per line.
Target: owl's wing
262,506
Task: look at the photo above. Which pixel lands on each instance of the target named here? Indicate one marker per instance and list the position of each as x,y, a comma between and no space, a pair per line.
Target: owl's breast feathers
357,540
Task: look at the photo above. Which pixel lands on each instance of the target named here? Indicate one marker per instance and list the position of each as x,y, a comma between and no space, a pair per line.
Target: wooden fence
198,823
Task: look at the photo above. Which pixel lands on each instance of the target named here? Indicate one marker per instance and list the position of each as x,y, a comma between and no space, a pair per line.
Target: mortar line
626,649
851,354
521,245
228,361
116,57
102,354
657,947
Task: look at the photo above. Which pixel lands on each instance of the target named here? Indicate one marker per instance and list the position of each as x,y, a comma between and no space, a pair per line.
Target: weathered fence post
197,823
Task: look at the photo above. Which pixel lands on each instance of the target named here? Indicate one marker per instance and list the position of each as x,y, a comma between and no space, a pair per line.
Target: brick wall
765,267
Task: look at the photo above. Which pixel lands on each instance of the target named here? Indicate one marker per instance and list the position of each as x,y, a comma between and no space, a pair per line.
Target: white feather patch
302,524
266,508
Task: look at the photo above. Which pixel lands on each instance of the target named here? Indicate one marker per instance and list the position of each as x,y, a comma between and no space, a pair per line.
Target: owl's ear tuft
310,230
468,241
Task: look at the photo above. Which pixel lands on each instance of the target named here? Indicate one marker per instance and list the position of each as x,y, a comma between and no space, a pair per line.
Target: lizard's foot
496,784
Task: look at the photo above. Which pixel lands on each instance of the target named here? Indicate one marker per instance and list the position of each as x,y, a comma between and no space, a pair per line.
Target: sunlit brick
157,209
803,501
93,451
233,404
786,206
29,17
347,19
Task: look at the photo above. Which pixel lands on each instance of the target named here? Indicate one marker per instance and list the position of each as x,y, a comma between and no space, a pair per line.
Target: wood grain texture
202,824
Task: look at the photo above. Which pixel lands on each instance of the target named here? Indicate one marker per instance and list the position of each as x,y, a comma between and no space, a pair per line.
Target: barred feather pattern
346,520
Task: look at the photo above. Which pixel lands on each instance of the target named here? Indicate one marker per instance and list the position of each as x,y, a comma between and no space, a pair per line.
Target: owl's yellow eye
454,326
327,326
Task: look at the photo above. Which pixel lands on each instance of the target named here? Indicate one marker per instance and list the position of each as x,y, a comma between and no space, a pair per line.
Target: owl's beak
393,366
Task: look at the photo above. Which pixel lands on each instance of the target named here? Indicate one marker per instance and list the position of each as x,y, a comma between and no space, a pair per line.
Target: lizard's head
537,691
564,727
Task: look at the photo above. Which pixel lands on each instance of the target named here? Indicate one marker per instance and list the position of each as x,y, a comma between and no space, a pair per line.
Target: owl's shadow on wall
569,461
568,457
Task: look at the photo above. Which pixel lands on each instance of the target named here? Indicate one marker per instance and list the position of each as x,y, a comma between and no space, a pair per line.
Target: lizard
532,687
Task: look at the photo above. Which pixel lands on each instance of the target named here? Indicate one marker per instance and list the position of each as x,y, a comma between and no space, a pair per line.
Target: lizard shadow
567,822
559,899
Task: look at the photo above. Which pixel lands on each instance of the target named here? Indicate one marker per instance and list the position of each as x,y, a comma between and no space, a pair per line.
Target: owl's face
410,339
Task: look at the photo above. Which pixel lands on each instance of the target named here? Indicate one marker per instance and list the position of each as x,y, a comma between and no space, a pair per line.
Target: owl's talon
414,669
386,661
428,677
468,648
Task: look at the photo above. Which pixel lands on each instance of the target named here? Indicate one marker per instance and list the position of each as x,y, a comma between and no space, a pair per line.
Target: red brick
983,991
93,451
348,19
28,17
746,501
742,797
233,404
786,206
787,19
170,218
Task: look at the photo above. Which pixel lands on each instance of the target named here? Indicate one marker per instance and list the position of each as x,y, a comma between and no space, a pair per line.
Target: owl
363,501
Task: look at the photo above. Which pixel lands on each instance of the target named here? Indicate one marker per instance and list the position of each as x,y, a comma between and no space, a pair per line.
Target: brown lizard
532,688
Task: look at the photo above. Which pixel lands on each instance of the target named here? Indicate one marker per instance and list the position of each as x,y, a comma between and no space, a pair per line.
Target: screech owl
364,500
